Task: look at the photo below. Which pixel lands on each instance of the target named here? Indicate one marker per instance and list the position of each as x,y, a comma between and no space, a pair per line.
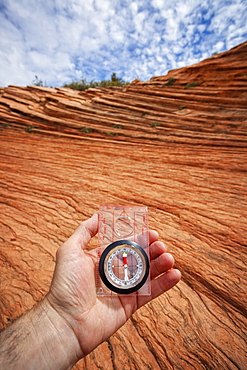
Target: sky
61,41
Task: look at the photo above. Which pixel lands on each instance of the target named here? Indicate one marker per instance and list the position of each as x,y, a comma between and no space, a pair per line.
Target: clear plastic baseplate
122,223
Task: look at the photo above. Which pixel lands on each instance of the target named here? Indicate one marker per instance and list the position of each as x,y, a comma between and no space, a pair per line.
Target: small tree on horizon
37,82
114,78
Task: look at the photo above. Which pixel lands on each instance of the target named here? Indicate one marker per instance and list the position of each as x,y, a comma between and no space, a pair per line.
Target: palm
73,290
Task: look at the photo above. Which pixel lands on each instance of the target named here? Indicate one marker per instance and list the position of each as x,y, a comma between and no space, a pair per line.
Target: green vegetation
118,126
30,128
83,84
181,107
110,133
154,124
170,82
86,130
191,84
38,82
5,125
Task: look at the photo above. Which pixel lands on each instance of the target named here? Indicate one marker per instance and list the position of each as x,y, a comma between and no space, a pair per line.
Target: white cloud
67,39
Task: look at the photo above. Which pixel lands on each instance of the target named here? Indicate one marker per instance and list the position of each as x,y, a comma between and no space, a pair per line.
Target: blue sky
63,40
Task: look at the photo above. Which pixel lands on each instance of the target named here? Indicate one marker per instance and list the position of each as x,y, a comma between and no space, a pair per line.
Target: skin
71,321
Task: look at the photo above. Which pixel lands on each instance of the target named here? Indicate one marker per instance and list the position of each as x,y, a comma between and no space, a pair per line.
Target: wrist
40,339
56,339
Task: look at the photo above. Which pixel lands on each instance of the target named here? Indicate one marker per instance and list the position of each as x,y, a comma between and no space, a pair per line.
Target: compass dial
124,267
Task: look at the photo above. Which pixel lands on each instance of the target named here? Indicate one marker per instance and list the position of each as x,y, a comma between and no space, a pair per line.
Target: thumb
85,231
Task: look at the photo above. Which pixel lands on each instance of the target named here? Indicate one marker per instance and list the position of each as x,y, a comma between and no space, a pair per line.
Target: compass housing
138,269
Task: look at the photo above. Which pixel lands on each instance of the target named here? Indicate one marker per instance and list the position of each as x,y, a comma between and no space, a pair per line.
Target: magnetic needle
124,266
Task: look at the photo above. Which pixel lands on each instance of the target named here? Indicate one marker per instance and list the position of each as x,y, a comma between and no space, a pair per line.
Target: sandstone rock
180,151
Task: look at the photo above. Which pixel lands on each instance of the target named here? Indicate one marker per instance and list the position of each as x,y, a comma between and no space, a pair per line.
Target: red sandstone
181,152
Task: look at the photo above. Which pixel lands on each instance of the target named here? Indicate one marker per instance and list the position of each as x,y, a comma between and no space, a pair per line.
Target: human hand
73,295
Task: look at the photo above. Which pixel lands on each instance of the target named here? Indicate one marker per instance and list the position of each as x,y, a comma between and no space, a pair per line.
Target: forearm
41,339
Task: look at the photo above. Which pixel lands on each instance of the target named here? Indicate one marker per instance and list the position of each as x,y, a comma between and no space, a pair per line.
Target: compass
124,266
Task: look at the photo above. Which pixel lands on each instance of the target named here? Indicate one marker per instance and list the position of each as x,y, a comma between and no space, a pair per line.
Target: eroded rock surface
177,144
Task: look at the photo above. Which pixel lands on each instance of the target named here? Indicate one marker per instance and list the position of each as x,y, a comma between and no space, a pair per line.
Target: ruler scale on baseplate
123,253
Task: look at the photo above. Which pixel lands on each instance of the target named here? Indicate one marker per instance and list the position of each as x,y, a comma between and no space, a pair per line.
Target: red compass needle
125,258
125,266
